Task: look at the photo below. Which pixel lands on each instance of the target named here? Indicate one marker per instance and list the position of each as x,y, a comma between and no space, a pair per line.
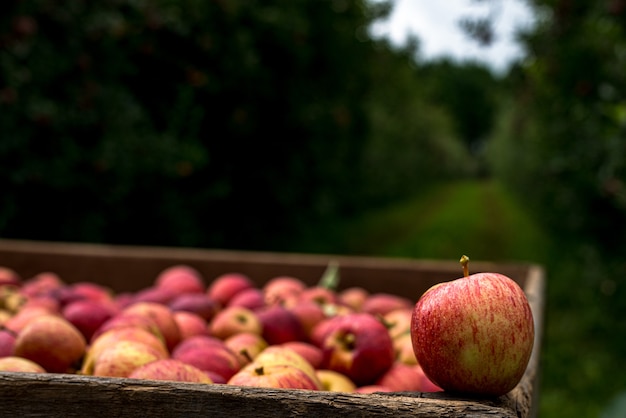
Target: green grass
582,353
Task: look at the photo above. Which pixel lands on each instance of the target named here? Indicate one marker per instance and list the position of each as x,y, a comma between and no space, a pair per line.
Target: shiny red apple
475,334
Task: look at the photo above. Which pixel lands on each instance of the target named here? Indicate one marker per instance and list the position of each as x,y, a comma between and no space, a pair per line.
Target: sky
436,24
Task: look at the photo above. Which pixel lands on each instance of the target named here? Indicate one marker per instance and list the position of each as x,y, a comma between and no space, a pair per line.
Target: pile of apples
283,334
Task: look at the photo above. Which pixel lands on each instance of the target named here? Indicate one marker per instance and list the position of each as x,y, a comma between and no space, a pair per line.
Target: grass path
471,217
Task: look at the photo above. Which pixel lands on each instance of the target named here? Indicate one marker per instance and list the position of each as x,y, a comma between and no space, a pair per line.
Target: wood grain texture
132,268
56,395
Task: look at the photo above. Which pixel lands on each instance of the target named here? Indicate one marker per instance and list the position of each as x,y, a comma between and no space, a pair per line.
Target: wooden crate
127,268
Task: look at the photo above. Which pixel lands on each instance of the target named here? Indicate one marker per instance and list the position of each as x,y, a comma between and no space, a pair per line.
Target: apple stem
246,354
259,371
465,263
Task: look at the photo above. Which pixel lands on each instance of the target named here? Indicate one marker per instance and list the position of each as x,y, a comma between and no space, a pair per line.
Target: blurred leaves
220,123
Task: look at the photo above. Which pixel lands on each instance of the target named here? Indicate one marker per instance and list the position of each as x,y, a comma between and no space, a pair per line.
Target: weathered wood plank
55,395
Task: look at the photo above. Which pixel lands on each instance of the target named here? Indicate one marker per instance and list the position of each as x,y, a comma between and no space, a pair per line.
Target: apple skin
223,288
180,279
7,342
171,370
319,295
354,297
404,378
309,314
281,288
198,303
398,321
19,364
383,303
403,346
280,325
87,315
280,355
233,320
129,320
252,299
52,342
26,315
246,345
208,354
281,376
114,335
190,324
334,381
8,276
162,315
357,345
474,335
153,294
42,284
121,358
309,352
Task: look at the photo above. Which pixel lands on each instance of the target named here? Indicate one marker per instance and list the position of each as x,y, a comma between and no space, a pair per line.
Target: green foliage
219,123
469,93
564,148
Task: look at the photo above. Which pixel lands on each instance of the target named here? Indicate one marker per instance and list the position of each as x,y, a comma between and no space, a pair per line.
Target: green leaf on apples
330,278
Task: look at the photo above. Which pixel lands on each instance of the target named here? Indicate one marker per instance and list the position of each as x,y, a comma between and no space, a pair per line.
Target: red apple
162,315
320,295
190,324
283,355
309,352
208,354
41,284
122,357
246,345
475,334
225,287
180,279
48,302
82,291
234,320
17,322
8,276
7,342
354,297
154,294
358,345
398,321
273,376
87,315
52,342
383,303
334,381
172,370
198,303
281,288
426,385
19,364
403,347
401,377
252,299
309,314
280,325
129,320
112,336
